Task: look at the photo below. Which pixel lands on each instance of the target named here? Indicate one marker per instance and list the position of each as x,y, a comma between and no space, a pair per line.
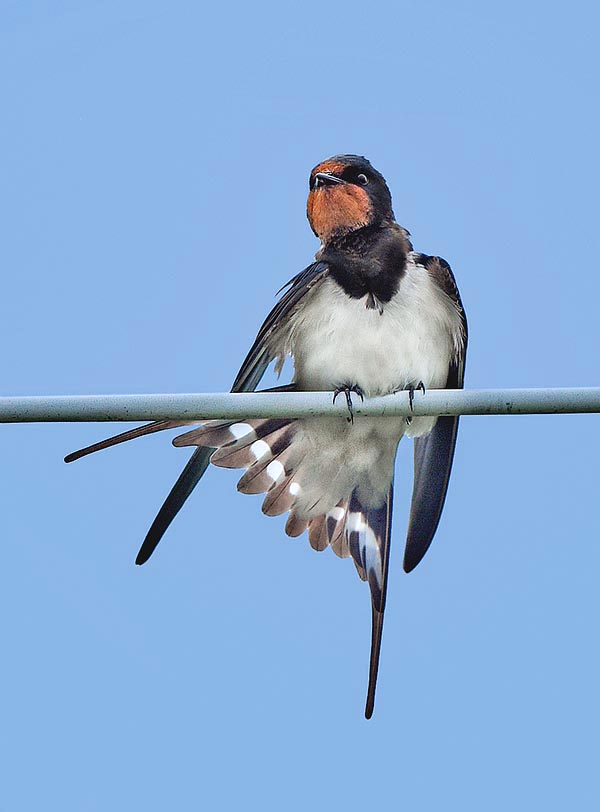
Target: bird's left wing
262,352
434,452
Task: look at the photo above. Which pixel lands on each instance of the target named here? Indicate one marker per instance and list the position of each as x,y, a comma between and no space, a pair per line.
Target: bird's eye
362,179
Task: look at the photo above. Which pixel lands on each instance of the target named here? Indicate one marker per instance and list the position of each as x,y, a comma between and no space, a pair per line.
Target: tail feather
279,498
295,525
329,530
376,634
267,446
132,434
262,476
264,447
270,472
317,533
369,531
339,539
218,433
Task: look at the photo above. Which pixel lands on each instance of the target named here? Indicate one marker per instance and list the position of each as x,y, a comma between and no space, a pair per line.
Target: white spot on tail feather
260,449
356,523
275,470
240,430
295,488
367,542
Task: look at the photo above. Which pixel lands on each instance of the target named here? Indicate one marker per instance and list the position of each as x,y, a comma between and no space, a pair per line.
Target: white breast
336,340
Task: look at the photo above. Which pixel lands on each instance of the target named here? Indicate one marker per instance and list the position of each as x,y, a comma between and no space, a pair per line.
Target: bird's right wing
262,352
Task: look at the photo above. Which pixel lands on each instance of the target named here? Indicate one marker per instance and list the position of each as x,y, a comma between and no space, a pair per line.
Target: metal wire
106,408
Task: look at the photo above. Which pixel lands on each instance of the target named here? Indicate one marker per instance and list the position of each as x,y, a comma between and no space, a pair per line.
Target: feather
279,498
434,452
246,454
295,525
369,531
317,533
132,434
336,526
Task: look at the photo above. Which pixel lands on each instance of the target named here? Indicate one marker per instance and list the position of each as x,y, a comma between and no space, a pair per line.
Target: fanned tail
266,449
272,451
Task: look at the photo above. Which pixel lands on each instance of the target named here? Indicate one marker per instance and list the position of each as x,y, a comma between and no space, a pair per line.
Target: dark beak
325,179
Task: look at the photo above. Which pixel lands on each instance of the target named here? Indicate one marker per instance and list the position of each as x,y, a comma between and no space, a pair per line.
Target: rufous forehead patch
330,167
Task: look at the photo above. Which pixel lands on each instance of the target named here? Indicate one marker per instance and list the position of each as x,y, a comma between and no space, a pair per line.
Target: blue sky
154,179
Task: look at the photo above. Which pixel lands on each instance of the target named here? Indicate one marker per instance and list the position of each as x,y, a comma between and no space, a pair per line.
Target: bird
370,316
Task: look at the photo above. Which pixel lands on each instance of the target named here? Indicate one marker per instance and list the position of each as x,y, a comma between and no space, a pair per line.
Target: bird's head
346,193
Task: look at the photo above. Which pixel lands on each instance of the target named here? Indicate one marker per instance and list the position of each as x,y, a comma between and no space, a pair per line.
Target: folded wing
434,452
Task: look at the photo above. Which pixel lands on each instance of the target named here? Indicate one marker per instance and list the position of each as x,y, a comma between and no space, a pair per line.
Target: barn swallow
370,316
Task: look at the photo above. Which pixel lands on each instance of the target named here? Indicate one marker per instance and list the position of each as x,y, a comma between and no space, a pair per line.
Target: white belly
336,340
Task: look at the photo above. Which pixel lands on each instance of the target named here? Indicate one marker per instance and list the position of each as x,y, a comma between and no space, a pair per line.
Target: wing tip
409,563
414,553
142,557
152,540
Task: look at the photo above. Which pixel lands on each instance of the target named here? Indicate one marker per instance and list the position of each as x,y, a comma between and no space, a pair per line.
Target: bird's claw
411,393
411,397
346,389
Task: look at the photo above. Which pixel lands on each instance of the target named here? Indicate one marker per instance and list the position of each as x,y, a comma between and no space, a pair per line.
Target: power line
106,408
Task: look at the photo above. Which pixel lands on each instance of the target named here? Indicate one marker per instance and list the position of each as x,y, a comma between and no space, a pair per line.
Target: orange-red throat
336,208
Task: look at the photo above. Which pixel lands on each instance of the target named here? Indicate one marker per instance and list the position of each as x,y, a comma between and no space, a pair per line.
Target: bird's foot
411,397
347,389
